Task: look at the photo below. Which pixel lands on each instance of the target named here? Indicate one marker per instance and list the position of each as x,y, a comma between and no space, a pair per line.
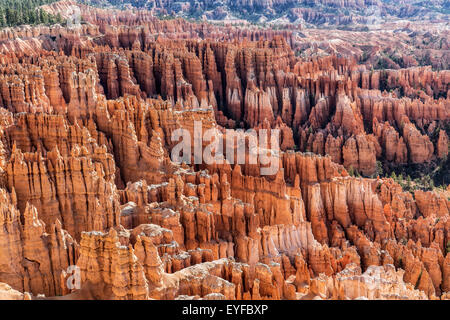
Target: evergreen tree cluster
18,12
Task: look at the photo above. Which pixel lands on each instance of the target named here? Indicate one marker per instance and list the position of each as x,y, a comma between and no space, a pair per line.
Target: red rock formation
442,145
86,122
36,258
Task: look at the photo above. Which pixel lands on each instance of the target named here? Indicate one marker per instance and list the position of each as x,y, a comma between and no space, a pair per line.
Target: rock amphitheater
87,181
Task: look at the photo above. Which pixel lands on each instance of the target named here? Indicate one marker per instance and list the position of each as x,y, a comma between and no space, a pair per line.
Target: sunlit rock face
88,183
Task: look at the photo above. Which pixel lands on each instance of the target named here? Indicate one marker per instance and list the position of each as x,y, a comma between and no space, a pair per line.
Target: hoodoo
250,150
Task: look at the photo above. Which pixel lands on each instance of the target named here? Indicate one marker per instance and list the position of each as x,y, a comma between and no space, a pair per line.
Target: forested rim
19,12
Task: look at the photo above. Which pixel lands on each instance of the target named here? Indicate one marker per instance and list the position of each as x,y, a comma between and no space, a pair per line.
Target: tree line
18,12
